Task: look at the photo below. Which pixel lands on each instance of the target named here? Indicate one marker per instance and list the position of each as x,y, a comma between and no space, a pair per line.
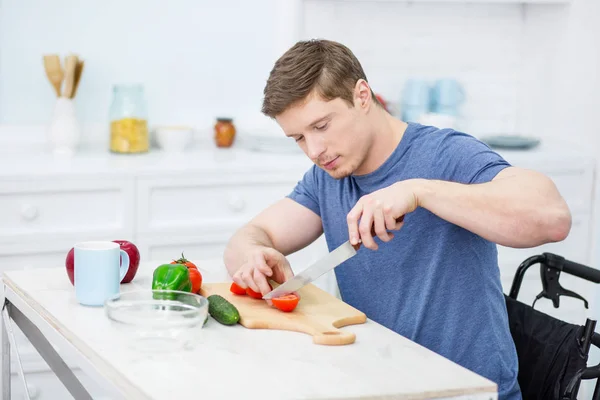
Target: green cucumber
222,310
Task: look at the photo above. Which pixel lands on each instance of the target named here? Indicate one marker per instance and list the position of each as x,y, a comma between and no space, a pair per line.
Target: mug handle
124,264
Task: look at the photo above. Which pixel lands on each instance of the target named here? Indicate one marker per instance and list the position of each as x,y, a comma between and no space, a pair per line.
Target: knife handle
357,246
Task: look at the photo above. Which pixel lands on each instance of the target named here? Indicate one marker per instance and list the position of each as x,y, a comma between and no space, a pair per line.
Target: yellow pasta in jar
129,135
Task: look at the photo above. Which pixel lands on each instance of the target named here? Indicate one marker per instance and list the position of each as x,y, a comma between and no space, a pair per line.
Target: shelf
541,2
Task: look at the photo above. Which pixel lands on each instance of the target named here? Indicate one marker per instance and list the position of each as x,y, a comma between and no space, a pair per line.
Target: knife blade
325,264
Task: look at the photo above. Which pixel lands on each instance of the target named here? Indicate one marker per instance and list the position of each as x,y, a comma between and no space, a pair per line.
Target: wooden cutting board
318,313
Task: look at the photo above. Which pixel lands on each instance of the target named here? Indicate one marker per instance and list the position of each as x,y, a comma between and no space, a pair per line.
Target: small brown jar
224,132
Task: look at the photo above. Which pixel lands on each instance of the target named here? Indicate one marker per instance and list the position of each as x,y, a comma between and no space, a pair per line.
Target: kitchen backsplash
477,45
203,59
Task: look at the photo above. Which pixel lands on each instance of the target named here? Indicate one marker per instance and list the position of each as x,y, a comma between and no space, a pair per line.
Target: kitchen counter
205,157
233,361
104,163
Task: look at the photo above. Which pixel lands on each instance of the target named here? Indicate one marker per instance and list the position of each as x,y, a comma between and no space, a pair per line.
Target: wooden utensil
70,68
78,72
54,71
318,313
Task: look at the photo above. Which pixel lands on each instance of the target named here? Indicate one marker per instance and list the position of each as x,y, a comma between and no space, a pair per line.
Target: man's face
334,135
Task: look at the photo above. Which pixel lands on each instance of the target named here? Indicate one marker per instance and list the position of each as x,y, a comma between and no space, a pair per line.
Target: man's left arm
517,208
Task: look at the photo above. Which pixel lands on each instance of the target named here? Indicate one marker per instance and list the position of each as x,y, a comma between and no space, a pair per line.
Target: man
432,277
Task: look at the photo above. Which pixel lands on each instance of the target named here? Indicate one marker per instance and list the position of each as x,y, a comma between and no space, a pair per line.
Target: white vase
64,131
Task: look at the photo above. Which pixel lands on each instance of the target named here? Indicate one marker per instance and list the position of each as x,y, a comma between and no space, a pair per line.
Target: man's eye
299,138
321,127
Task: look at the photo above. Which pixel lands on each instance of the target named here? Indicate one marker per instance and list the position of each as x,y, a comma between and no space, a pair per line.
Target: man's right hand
263,262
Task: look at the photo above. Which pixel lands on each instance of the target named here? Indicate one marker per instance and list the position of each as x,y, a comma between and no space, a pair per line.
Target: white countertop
95,159
236,362
99,162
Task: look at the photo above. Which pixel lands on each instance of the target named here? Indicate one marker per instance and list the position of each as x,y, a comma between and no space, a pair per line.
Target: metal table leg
5,359
41,344
11,337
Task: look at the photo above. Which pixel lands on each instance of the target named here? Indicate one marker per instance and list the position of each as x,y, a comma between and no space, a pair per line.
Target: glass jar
224,132
128,120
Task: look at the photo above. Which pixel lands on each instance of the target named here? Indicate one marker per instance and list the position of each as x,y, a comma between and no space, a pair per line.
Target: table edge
100,365
128,389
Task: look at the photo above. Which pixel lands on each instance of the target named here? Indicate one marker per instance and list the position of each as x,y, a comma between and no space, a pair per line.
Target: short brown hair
328,67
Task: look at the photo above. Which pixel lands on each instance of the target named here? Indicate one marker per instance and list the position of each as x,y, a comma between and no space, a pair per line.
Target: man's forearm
524,210
240,244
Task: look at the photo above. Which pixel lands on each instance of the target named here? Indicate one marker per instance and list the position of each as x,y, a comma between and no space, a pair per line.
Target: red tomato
252,293
196,278
195,275
185,262
286,303
235,288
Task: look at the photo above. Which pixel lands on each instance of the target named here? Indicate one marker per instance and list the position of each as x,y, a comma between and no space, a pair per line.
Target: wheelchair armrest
593,372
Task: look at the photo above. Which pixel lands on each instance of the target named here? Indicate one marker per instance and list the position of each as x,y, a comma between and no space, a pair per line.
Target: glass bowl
158,320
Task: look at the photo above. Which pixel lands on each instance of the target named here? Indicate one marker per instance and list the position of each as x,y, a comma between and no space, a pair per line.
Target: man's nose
315,147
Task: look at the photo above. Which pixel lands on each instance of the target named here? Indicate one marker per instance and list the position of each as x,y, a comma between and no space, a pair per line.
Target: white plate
511,141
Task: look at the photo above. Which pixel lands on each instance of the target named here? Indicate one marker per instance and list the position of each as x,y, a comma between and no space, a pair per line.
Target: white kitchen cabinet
207,203
49,208
194,247
576,245
573,173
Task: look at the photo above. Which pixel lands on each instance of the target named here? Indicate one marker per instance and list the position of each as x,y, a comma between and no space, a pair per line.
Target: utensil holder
64,131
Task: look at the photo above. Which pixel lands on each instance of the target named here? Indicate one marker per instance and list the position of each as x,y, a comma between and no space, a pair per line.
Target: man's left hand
381,211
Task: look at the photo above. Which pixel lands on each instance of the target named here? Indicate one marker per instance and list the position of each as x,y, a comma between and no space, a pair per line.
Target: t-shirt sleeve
465,159
306,191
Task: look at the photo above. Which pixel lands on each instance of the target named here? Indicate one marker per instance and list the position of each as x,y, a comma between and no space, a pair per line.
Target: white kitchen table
228,362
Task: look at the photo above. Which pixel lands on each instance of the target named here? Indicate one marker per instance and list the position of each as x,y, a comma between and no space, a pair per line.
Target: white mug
98,271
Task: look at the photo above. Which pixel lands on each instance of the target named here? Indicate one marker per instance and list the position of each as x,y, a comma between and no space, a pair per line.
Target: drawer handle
29,212
237,203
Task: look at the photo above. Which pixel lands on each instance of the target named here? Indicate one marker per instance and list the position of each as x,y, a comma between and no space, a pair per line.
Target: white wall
480,45
562,61
528,69
197,58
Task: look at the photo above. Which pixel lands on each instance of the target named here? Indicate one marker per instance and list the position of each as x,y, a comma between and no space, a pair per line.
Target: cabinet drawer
576,186
52,208
41,258
575,247
159,249
173,205
162,249
572,175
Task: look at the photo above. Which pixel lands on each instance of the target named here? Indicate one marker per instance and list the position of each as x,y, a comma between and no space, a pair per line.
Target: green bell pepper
172,277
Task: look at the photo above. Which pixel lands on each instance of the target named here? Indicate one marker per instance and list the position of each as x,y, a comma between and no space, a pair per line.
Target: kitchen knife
325,264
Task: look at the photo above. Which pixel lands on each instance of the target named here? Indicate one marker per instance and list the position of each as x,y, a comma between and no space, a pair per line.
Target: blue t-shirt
435,282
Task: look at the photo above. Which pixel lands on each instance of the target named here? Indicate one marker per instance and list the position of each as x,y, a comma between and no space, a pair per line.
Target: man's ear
362,95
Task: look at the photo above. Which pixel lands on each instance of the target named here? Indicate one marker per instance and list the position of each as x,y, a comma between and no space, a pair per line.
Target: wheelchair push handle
571,267
551,266
582,271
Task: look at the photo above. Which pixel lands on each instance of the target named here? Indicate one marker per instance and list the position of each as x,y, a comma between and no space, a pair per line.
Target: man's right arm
285,226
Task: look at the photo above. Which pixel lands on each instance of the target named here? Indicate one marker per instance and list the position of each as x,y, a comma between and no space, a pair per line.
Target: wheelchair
552,353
